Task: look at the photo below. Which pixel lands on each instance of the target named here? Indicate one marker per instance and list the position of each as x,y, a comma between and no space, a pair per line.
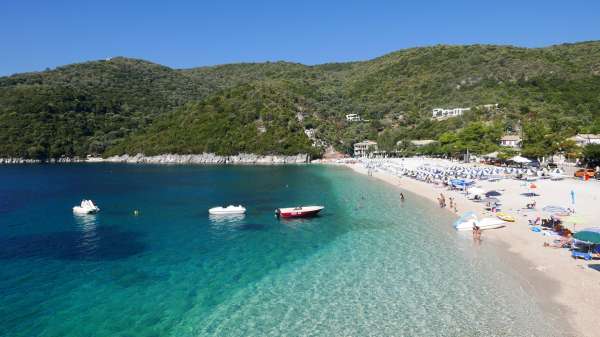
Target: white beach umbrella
476,191
520,160
491,155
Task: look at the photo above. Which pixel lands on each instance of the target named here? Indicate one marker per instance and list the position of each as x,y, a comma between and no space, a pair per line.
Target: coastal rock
40,161
209,158
169,158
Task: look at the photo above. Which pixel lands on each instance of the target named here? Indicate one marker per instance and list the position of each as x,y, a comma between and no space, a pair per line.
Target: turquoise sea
368,266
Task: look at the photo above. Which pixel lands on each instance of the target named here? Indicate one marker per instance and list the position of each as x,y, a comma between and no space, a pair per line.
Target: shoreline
552,277
173,159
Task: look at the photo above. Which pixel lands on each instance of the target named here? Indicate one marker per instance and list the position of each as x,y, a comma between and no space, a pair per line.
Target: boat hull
483,224
227,210
81,210
298,212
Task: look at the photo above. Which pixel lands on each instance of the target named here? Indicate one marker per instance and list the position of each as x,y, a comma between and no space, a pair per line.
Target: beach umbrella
475,190
555,209
493,193
572,219
520,160
530,194
591,235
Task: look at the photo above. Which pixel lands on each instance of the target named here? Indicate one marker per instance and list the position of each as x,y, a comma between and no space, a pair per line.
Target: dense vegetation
246,119
125,105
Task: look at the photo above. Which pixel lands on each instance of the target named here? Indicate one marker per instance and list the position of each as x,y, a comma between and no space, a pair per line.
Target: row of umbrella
453,176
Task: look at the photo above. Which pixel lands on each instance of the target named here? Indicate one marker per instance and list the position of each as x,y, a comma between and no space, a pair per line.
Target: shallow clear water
368,266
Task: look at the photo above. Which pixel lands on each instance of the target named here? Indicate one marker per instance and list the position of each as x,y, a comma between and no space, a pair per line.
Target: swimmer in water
401,196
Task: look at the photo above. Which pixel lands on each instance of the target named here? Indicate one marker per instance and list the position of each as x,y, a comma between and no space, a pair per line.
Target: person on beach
451,202
476,233
401,196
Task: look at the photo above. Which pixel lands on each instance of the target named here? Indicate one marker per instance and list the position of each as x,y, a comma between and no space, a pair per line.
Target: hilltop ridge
125,105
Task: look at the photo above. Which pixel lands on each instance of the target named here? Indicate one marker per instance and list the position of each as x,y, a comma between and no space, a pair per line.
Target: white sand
577,297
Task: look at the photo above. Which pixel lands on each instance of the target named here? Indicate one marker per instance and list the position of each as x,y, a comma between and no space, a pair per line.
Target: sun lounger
577,254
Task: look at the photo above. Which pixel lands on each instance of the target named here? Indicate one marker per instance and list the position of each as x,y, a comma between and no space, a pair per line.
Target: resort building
363,149
511,141
423,142
583,139
490,106
445,113
353,118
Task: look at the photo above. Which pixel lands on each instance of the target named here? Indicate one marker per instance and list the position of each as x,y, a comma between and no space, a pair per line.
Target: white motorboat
86,207
298,212
469,220
239,209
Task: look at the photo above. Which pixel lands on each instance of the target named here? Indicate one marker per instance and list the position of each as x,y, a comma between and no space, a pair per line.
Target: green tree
591,155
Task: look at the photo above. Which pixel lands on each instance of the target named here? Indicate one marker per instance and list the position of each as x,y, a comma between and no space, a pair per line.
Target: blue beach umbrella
493,193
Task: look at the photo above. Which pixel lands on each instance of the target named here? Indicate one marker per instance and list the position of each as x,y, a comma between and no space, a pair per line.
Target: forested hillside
127,106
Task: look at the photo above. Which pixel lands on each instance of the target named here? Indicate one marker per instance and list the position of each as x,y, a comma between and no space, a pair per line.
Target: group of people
442,202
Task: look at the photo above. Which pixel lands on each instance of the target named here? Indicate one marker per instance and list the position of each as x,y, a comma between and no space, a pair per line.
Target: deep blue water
369,265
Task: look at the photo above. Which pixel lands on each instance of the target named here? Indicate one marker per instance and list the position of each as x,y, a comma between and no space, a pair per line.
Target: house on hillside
363,149
353,117
583,139
423,142
440,113
490,106
513,141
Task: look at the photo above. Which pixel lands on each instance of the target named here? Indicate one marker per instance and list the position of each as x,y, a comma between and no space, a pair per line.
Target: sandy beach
569,289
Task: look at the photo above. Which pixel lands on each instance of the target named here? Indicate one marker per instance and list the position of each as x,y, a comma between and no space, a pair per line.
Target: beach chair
581,255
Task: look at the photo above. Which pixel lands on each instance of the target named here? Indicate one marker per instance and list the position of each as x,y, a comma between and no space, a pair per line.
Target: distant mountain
125,105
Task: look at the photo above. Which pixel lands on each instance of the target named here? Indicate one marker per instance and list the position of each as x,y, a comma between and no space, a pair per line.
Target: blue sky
35,35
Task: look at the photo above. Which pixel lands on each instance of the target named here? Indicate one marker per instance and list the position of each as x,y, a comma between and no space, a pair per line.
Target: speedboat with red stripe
298,212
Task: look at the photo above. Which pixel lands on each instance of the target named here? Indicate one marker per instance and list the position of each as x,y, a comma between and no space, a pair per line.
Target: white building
423,142
511,141
445,113
363,149
353,118
583,139
490,106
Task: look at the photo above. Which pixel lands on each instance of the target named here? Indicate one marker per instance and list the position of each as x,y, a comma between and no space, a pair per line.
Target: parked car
597,175
581,173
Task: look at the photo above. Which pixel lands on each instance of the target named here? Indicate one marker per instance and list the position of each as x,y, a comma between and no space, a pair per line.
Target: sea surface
370,265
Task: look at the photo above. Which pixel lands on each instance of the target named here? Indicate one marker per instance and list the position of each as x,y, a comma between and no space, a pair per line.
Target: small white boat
239,209
469,220
86,207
